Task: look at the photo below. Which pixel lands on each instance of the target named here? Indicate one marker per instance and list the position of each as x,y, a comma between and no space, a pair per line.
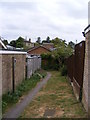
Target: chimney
29,39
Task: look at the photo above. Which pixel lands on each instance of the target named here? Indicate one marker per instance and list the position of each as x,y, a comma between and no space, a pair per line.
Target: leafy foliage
38,40
49,62
64,70
48,39
72,44
11,98
58,42
62,53
19,43
13,43
5,42
57,58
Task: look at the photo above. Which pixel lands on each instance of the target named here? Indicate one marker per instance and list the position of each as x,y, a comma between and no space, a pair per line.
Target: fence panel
75,65
79,62
29,67
33,63
70,67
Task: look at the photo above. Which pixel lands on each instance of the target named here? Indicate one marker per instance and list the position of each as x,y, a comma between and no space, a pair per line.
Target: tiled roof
33,48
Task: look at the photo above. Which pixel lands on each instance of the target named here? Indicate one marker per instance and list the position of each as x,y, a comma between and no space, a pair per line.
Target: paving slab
49,113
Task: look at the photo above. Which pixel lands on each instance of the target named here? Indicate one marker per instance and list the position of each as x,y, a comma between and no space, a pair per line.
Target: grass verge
10,98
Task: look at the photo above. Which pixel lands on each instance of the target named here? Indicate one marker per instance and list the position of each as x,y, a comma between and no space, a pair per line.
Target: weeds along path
16,111
55,100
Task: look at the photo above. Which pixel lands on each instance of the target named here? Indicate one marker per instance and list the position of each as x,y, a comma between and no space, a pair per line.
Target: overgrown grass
10,98
56,94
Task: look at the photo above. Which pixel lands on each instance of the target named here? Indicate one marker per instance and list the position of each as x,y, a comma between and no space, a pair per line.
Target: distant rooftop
47,43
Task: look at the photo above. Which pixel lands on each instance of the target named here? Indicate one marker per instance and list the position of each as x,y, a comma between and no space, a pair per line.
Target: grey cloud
32,19
18,5
12,27
73,11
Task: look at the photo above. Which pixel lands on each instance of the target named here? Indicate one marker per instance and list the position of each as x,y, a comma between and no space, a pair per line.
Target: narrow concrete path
16,111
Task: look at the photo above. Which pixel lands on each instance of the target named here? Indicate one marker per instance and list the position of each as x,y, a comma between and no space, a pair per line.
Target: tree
62,51
58,42
13,43
38,40
71,44
44,41
20,42
19,45
59,55
20,39
5,42
48,39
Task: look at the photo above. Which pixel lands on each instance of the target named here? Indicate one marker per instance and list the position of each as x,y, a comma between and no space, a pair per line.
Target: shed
12,69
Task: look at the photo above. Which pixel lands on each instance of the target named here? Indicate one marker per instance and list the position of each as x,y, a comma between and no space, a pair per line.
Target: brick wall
86,80
7,70
39,51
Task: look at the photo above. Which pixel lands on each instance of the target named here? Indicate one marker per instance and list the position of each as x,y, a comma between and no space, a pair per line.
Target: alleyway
19,108
55,100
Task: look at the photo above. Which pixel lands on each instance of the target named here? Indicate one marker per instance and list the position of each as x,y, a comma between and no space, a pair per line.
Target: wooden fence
75,65
70,66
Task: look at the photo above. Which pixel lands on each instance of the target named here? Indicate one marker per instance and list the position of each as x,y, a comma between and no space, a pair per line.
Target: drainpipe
13,74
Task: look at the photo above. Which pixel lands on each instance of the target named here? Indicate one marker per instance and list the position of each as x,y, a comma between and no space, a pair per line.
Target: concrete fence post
86,78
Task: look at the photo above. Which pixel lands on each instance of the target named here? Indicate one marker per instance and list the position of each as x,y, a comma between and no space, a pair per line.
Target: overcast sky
65,19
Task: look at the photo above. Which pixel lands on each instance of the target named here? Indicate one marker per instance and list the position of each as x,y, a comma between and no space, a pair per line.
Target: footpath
16,111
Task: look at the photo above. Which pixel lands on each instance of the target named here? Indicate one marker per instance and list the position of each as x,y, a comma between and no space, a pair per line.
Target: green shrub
63,70
49,62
